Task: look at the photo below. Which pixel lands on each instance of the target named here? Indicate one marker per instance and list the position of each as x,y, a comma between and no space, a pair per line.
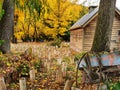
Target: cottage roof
82,22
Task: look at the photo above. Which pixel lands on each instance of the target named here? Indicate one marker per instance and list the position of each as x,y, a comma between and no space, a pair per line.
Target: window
119,33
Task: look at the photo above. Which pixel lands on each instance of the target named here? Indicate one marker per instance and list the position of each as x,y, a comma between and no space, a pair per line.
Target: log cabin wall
89,31
115,38
76,40
82,39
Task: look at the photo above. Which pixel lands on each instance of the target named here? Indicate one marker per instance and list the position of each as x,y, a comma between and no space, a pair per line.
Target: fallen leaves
18,65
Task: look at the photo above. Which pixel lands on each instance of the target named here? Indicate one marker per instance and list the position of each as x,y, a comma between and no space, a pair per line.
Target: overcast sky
96,2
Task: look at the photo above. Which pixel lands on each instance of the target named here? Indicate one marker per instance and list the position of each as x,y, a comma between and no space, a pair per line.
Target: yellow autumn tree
27,12
38,19
62,14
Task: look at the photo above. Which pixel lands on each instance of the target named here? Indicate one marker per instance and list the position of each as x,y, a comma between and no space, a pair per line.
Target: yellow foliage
62,12
22,2
18,35
56,18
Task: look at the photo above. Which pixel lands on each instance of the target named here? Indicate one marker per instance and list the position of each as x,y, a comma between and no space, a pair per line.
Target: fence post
64,68
32,75
2,83
22,82
68,85
59,77
73,88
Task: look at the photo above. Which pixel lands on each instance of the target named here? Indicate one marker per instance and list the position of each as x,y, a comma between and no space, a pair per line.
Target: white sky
96,2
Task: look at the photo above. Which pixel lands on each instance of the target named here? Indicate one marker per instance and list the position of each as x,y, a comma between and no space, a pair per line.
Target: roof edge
117,10
90,19
76,28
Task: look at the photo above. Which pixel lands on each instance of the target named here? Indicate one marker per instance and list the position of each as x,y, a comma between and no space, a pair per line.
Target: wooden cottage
82,32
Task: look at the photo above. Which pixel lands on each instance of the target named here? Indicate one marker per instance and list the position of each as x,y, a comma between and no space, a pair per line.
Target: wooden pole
68,85
71,59
2,84
48,65
22,82
59,77
73,88
32,75
64,68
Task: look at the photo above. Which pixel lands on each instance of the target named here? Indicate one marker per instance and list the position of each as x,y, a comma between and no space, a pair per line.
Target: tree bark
103,30
7,25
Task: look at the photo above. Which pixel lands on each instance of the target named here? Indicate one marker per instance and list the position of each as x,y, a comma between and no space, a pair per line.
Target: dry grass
42,50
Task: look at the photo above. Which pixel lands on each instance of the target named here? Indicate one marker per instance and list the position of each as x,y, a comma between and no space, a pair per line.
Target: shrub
66,59
56,42
23,70
113,86
1,42
37,65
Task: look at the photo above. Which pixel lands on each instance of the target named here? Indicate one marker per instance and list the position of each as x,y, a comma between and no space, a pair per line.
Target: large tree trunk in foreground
6,25
103,30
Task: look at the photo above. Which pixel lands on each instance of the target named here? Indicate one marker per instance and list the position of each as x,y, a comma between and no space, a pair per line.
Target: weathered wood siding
115,41
76,40
89,31
82,39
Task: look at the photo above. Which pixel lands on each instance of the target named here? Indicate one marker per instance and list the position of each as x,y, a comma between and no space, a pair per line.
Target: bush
70,68
56,42
37,65
114,86
1,42
23,70
66,59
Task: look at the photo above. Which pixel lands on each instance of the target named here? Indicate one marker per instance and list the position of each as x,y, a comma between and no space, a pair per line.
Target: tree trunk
103,30
6,25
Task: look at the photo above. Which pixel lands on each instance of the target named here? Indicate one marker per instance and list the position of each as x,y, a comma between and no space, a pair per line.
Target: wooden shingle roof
82,22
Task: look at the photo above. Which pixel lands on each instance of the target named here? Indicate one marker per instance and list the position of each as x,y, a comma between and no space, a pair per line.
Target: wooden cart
99,67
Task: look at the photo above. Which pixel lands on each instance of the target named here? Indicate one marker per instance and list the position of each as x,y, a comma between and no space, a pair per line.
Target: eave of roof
84,19
82,22
117,10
